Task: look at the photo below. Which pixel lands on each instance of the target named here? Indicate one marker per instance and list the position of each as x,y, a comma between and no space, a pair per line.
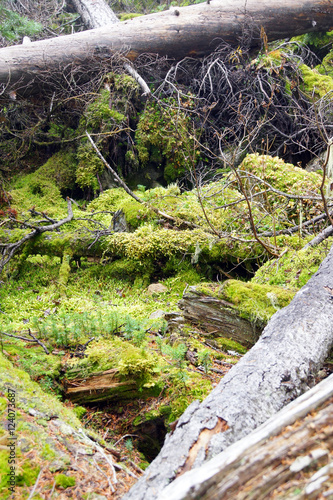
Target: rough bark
95,13
189,31
216,316
291,455
280,367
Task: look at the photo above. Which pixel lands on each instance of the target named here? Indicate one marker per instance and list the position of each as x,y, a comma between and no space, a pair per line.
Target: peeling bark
279,368
290,455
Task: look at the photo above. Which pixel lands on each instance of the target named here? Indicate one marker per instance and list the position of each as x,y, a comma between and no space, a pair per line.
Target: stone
157,314
157,288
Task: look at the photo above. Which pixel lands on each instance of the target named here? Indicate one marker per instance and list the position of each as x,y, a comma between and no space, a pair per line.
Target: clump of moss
256,302
118,354
230,345
294,268
162,138
131,271
89,166
326,66
61,168
315,83
39,192
64,482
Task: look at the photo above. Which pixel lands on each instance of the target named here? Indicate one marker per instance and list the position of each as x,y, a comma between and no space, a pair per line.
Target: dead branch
9,249
33,340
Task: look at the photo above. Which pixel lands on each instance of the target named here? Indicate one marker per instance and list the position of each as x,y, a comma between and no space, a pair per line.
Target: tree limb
9,249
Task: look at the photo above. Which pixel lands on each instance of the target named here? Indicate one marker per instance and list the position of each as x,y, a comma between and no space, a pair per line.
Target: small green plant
129,445
205,359
13,26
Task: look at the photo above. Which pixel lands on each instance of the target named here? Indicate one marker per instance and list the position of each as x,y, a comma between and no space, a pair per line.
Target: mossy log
279,367
195,30
216,317
101,386
290,456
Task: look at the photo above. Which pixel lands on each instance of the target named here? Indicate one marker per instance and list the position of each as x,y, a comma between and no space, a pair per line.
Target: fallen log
188,31
279,368
289,455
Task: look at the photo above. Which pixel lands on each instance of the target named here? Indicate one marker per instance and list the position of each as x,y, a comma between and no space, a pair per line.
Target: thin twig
38,342
35,485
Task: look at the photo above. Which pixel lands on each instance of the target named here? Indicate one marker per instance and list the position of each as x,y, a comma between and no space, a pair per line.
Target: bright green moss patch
115,353
326,67
61,169
294,268
30,395
63,481
230,345
255,302
316,83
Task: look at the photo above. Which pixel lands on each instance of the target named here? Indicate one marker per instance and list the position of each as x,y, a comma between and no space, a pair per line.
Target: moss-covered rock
61,169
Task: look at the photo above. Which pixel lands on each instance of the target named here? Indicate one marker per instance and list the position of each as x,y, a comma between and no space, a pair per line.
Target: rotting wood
99,387
192,31
218,317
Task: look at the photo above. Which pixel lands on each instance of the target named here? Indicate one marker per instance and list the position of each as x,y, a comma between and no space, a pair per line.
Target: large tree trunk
189,31
275,371
284,456
95,13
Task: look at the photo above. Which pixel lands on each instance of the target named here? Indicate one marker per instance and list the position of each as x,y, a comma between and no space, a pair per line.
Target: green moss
79,411
30,395
294,268
315,40
255,302
183,392
128,270
326,67
89,166
61,169
315,83
230,345
135,213
64,271
118,354
162,138
99,114
39,192
125,16
63,481
34,361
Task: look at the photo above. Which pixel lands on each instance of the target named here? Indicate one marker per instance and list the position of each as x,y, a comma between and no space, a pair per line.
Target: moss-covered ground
84,292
